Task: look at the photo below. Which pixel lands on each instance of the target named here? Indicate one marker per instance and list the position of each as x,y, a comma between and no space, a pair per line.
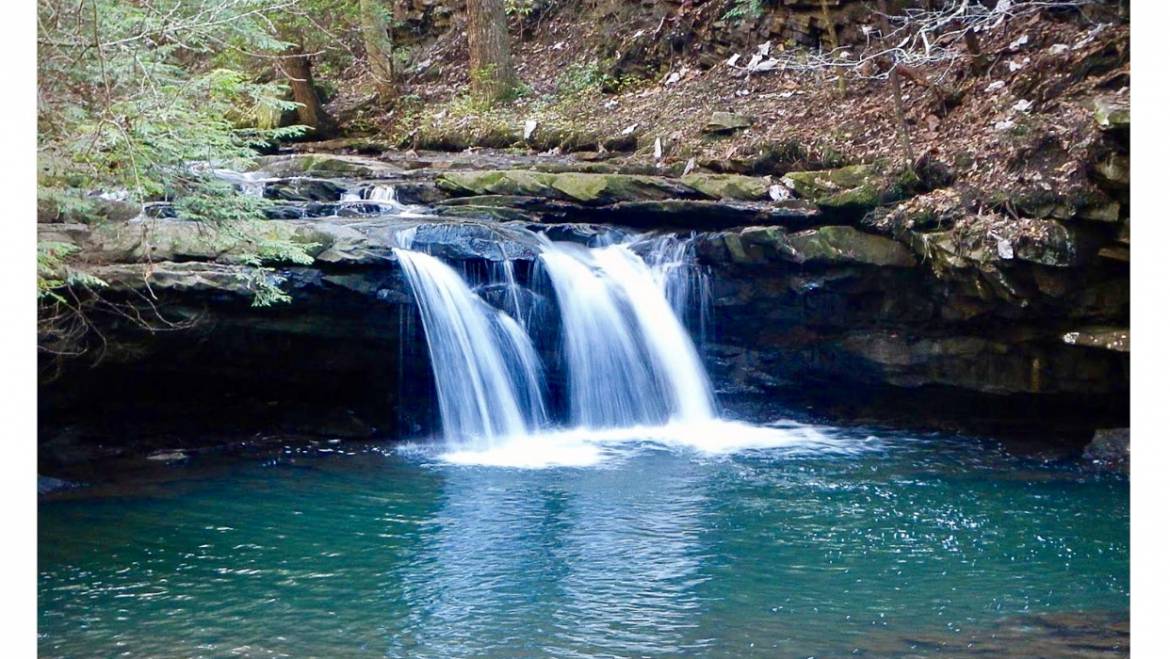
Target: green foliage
521,8
593,76
741,9
144,98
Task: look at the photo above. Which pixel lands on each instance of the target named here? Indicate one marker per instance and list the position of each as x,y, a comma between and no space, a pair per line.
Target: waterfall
629,358
487,374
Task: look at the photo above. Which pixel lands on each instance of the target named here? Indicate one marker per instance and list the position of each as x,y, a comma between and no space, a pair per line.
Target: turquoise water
854,545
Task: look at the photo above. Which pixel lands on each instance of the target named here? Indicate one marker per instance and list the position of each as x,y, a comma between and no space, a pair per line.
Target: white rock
779,192
1004,249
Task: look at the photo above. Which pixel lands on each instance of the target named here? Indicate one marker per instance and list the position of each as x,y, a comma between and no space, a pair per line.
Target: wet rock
418,192
1110,449
726,122
1107,338
591,235
48,484
304,189
473,241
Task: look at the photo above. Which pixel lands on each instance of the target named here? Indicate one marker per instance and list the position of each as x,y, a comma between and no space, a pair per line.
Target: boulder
726,122
1110,449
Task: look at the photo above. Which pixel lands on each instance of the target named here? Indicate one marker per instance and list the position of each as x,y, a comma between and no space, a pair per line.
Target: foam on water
587,447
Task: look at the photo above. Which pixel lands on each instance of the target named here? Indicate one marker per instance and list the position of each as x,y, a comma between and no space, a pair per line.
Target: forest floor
1019,121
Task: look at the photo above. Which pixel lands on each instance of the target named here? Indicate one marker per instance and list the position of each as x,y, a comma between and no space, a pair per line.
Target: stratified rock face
803,296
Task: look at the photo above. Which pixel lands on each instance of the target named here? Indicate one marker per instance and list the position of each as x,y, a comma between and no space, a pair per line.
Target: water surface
843,542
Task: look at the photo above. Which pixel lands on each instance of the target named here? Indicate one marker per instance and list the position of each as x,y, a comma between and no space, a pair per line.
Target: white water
629,358
633,373
487,374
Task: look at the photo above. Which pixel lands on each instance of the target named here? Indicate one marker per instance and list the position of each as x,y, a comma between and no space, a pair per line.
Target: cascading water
629,359
487,374
631,369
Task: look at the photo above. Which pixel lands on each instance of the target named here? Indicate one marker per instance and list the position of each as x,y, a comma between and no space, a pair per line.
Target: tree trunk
896,90
379,48
492,76
295,65
900,115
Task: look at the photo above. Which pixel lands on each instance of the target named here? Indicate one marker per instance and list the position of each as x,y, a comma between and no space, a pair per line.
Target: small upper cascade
487,373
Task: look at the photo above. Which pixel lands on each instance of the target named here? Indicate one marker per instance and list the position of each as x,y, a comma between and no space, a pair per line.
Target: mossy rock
491,213
597,189
827,182
854,188
1110,114
588,189
841,244
729,186
500,182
